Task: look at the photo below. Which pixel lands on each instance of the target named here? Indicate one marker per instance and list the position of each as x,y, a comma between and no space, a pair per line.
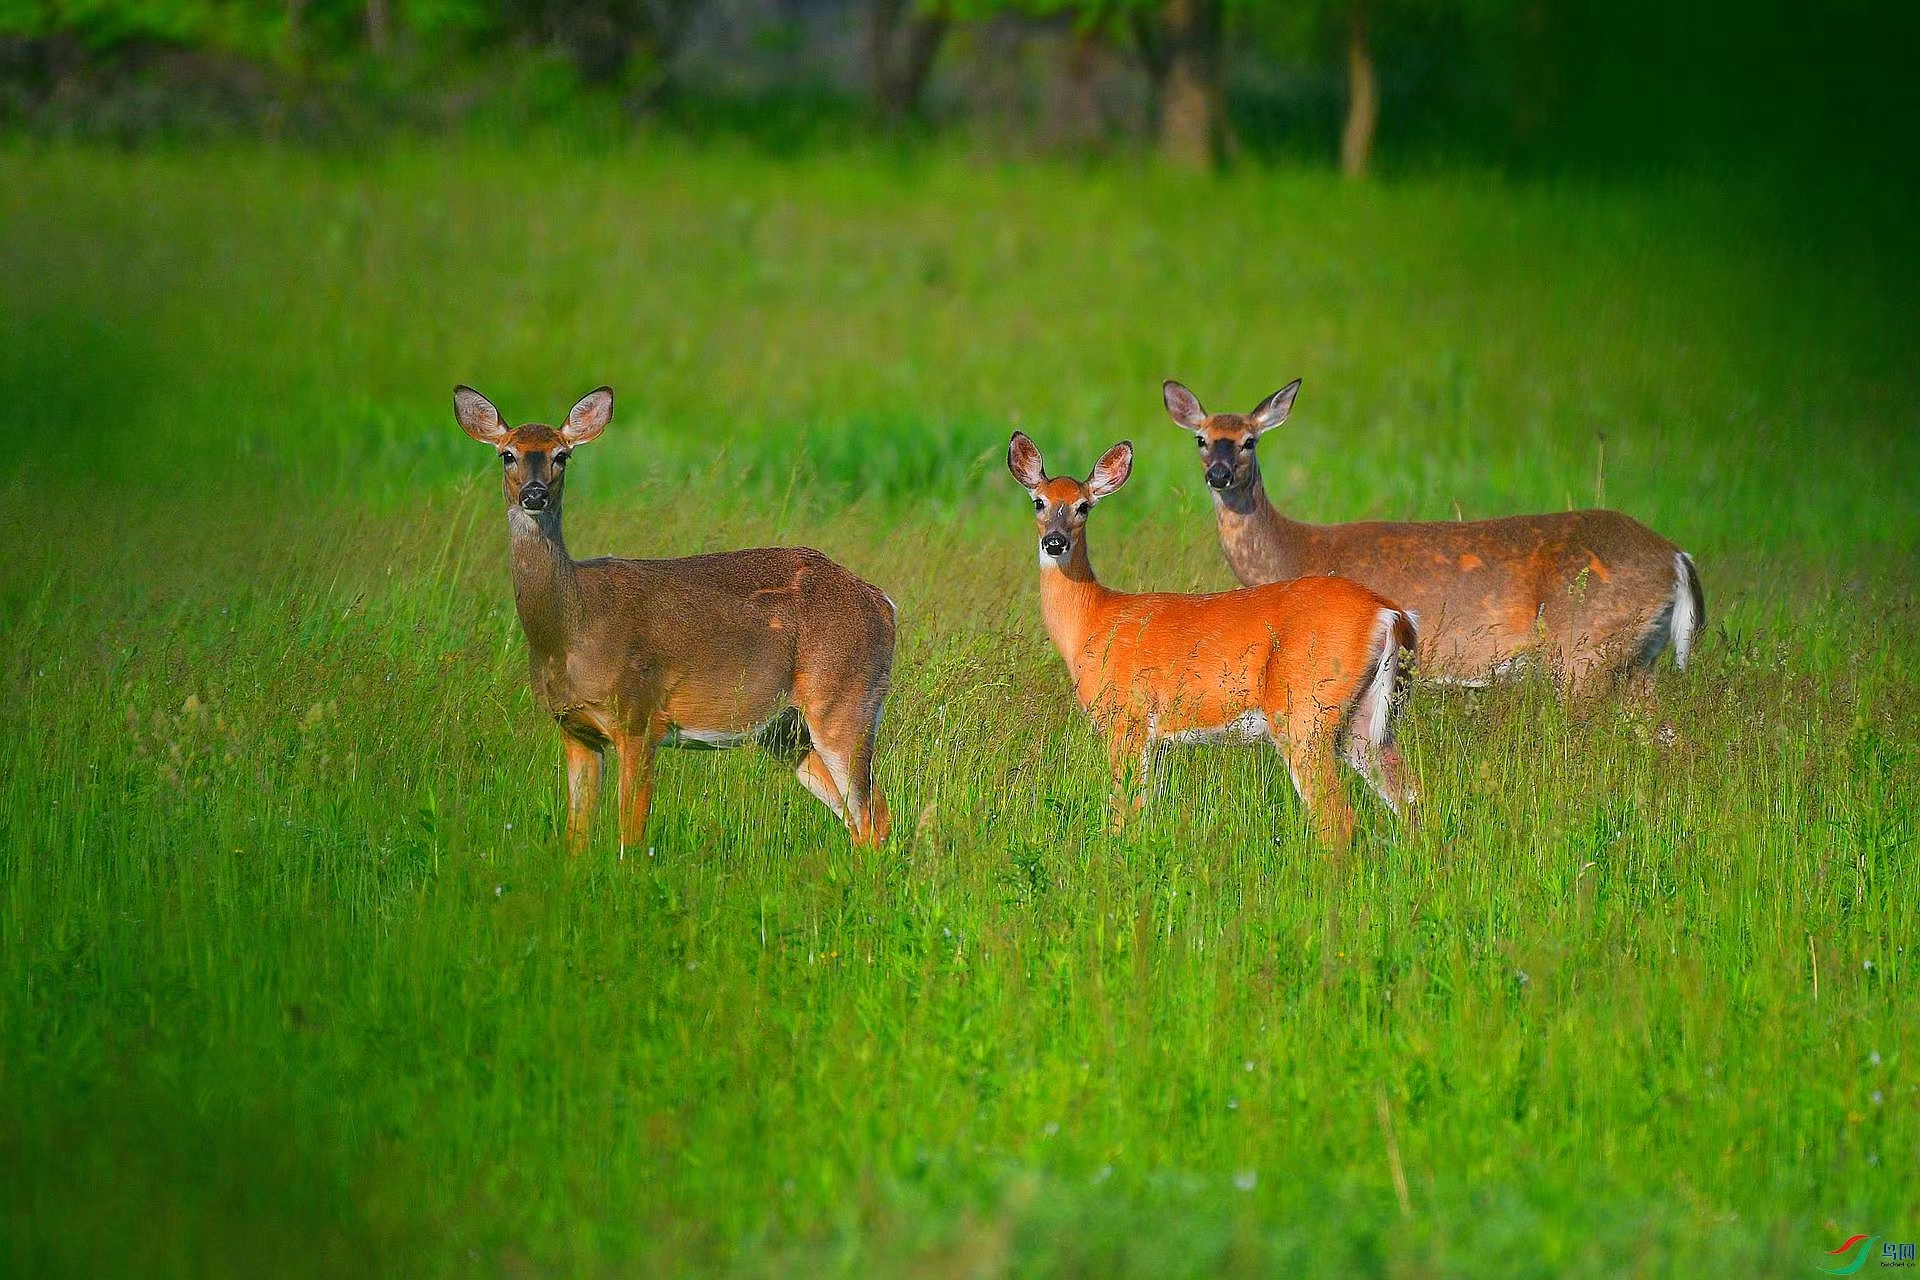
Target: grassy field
295,977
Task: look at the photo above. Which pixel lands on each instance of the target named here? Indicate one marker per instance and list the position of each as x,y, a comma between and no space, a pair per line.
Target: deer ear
1115,465
590,417
1274,409
1182,405
477,416
1023,459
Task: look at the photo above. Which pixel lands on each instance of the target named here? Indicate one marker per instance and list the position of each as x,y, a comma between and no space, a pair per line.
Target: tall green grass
296,978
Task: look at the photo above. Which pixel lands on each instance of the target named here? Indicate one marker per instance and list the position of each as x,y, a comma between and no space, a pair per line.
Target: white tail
1370,746
1689,608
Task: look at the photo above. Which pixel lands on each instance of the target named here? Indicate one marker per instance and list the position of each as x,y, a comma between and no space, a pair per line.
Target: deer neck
1070,601
546,589
1261,545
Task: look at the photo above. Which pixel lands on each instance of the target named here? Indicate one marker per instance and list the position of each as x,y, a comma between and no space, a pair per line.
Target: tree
1363,95
379,27
903,40
605,38
1181,46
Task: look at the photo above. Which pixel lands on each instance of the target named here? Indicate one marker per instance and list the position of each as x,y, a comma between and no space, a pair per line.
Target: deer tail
1689,608
1395,638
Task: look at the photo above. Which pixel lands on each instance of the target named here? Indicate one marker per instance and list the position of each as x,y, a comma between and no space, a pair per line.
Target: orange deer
1594,595
778,644
1308,666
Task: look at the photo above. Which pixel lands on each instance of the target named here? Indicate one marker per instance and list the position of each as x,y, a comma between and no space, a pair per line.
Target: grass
296,978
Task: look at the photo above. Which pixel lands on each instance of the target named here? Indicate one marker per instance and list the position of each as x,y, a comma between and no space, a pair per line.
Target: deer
778,645
1313,667
1594,596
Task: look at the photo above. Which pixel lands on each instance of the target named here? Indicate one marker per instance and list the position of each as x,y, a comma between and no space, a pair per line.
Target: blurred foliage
1527,84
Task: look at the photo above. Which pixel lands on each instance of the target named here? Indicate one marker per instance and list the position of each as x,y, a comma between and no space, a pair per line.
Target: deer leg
817,776
1318,785
826,769
1589,668
636,784
1379,761
1385,771
1397,780
1588,683
867,808
840,689
839,768
1370,748
1637,681
1306,740
867,819
1364,756
583,790
843,781
1636,691
1130,761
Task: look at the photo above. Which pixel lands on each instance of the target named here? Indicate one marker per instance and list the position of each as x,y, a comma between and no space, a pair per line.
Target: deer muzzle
534,497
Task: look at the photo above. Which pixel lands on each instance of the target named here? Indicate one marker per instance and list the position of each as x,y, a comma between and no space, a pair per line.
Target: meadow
296,977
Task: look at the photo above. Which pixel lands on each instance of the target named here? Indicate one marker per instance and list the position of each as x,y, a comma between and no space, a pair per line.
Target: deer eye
1083,508
1200,442
506,456
1247,444
560,458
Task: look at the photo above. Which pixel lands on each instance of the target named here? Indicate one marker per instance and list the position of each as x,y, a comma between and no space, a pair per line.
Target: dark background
1817,99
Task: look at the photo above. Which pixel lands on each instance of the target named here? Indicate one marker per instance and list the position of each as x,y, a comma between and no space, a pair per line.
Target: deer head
533,457
1061,504
1227,440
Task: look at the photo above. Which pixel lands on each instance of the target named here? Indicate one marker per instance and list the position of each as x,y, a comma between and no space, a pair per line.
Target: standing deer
1308,666
779,644
1594,594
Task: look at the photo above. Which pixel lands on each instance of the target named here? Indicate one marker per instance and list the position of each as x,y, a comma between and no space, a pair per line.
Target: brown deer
778,644
1308,666
1594,595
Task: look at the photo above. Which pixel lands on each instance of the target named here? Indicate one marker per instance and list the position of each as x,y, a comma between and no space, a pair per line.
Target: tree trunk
656,40
296,12
1192,100
600,48
1538,63
901,54
379,27
1363,96
1084,123
1152,48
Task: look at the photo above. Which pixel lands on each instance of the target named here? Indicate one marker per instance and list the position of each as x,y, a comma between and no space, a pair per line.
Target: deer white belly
777,731
682,736
1245,729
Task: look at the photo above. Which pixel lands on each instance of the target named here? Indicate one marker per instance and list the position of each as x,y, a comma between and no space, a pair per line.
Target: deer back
1487,590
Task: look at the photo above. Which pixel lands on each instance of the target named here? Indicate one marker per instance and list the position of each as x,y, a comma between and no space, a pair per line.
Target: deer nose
1055,544
1219,475
534,497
